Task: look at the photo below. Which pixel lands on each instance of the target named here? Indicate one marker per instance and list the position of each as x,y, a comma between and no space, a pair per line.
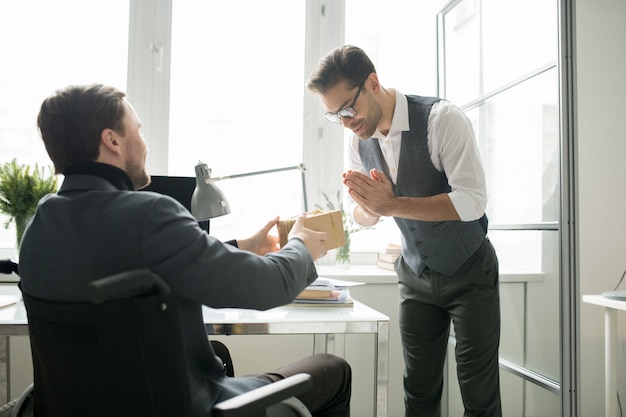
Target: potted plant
21,188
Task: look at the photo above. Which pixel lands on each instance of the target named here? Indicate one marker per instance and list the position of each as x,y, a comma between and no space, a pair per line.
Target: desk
610,348
324,321
319,321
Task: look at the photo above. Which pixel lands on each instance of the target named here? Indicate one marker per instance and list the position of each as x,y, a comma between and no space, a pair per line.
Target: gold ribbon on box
335,228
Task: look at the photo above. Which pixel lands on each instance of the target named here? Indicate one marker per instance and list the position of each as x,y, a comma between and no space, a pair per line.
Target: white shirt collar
400,119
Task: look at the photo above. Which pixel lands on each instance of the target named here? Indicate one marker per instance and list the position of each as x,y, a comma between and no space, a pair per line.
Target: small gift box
330,222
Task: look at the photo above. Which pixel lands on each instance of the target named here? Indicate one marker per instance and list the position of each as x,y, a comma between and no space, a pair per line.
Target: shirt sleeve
454,151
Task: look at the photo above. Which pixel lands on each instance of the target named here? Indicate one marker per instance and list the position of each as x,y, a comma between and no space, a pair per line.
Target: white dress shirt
452,148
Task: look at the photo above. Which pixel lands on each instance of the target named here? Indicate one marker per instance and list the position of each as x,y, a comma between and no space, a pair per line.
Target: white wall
601,92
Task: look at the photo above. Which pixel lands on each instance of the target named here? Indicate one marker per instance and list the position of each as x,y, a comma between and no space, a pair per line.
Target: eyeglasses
347,112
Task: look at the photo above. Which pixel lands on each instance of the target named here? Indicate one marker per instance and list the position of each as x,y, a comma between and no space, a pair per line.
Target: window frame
559,227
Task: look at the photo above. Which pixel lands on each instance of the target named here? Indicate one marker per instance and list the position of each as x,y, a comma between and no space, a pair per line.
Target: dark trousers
428,303
332,384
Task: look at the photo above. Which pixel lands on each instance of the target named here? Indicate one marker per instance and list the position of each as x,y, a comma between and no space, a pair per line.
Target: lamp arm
299,167
267,171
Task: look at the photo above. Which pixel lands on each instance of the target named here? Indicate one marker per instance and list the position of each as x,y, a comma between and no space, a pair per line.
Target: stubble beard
371,119
138,175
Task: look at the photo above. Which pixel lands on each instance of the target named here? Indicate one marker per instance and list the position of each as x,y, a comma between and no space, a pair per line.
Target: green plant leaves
21,188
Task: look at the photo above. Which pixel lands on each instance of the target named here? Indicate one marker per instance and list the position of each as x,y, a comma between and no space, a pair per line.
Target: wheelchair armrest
124,284
255,402
7,266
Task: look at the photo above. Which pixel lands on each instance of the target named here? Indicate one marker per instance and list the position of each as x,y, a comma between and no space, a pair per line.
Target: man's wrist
365,218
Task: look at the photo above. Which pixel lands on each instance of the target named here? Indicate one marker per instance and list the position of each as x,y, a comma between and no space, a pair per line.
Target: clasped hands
374,193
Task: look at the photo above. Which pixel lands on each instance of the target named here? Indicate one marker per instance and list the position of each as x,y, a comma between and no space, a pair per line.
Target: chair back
121,357
8,267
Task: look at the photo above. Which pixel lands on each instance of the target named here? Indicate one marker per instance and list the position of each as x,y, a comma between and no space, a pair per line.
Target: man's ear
373,82
110,140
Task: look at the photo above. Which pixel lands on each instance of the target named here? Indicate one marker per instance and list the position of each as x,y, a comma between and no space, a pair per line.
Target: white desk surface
13,319
605,302
371,274
295,314
611,307
358,318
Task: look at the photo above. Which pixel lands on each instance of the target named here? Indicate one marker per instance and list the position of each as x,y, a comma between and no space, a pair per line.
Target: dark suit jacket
97,226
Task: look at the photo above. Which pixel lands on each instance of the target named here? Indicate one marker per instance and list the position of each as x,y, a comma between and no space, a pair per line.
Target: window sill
371,274
368,274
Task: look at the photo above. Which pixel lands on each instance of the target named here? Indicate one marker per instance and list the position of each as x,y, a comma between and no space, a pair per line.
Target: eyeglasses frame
337,116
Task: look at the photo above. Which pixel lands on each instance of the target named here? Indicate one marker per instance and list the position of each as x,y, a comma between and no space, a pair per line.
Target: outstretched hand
313,240
262,242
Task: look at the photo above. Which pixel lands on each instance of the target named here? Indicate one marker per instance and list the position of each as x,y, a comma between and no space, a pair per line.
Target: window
47,46
507,84
236,103
505,77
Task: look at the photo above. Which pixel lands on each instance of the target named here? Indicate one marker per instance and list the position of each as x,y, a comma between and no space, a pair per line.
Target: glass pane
518,135
46,46
505,54
462,52
490,43
540,402
236,102
529,293
520,398
529,308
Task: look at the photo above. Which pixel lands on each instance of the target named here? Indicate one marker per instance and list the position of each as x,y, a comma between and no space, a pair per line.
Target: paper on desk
8,300
334,283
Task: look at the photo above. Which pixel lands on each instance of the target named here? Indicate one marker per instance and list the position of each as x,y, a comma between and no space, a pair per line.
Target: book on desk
387,258
326,292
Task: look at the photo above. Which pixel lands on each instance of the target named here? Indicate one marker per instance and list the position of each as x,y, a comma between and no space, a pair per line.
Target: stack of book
323,292
387,258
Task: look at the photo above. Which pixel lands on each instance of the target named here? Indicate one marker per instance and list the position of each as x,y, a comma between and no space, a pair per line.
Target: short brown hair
346,63
72,119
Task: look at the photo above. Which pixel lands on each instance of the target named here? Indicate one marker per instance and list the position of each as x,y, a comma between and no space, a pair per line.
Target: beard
371,119
138,175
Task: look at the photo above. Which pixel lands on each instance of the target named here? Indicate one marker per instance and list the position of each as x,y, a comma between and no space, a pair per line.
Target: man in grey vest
415,158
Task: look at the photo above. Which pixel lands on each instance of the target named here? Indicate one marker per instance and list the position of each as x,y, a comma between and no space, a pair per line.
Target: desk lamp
208,201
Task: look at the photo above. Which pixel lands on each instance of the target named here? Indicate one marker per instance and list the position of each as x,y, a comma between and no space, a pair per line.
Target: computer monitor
179,188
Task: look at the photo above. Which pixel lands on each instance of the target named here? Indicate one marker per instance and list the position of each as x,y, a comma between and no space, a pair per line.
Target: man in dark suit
98,225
